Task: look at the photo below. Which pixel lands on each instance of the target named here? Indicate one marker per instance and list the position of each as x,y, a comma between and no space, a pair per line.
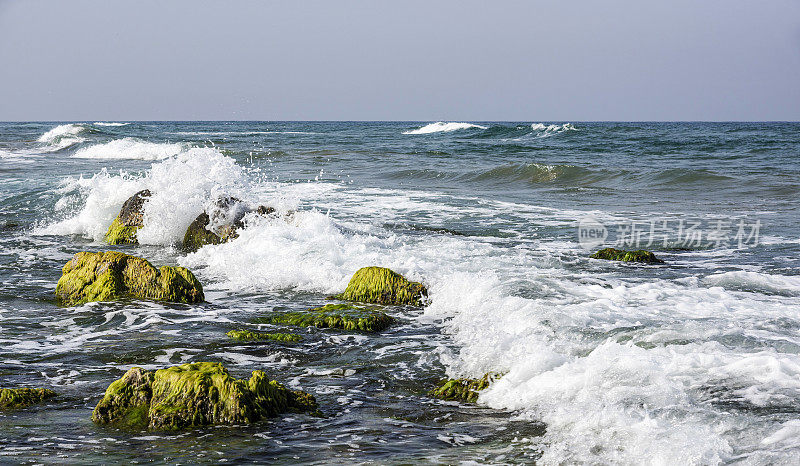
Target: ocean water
696,361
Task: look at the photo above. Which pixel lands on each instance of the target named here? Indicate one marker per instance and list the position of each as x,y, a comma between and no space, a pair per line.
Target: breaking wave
181,186
129,148
443,127
63,136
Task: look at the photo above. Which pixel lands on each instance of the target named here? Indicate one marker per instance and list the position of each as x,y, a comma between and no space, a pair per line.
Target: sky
626,60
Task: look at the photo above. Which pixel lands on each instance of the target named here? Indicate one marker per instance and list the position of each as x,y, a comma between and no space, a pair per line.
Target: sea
693,361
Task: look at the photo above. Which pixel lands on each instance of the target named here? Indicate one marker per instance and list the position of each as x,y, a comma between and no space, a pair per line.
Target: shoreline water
696,361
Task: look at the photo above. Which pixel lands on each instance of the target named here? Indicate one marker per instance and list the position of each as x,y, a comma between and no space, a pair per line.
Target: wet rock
382,286
247,335
612,254
131,217
15,398
219,223
111,275
464,390
196,394
338,316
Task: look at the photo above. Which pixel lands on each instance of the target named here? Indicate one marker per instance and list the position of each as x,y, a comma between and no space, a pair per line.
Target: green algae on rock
193,395
14,398
227,215
382,286
131,217
338,316
465,390
248,335
111,275
627,256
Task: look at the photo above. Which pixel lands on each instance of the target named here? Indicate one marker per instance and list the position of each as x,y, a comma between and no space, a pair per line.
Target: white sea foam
109,123
757,282
182,187
441,126
129,148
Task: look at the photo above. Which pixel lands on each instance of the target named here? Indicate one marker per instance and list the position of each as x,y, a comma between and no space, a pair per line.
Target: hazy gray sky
403,60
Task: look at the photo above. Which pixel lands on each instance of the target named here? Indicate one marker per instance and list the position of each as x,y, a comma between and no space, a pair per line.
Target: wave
543,130
440,127
63,136
129,148
181,187
106,123
783,285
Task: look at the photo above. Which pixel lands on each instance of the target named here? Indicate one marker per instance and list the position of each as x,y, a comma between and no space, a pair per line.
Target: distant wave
549,130
104,123
129,148
62,136
442,127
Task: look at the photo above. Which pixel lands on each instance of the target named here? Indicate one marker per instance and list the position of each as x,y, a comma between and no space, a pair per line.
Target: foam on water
130,148
441,126
107,123
182,187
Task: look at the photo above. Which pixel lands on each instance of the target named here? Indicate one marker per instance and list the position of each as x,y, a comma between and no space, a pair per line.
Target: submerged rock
14,398
111,275
382,286
196,394
627,256
219,223
465,390
338,316
247,335
131,217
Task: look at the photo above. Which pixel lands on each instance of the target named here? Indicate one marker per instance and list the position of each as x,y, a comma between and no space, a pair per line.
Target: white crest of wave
62,136
441,126
109,123
182,187
130,148
549,130
59,131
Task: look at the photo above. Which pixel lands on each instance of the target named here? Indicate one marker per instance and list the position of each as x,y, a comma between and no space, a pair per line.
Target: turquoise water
695,361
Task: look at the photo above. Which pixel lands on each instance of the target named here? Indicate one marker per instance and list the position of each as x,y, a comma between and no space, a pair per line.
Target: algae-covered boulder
338,316
131,217
111,275
219,223
465,390
627,256
196,394
382,286
248,335
14,398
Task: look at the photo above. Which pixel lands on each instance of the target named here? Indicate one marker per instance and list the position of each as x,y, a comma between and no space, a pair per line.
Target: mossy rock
338,316
247,335
111,275
131,217
193,395
198,236
15,398
380,285
612,254
465,390
227,214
